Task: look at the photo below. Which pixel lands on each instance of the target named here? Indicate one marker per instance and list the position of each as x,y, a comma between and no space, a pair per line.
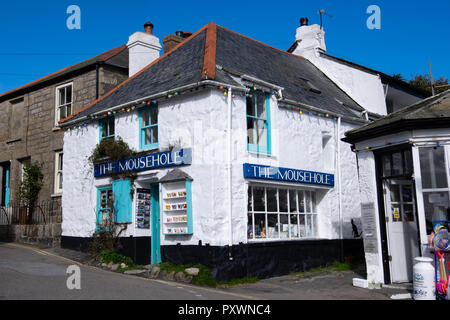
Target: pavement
29,272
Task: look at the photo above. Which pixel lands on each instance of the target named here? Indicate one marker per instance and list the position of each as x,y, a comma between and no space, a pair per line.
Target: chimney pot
179,33
148,27
304,21
187,34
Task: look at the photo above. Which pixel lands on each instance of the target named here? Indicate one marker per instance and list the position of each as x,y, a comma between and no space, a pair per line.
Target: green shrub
107,256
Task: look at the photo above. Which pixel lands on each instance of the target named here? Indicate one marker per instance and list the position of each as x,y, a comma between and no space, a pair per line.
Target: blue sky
35,40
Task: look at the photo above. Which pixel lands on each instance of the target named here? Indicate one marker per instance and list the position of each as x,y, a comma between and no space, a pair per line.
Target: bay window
281,213
435,188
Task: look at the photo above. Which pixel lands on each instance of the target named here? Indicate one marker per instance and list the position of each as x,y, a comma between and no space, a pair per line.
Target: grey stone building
29,115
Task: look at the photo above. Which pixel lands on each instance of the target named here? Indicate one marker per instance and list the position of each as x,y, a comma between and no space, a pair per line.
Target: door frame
155,224
388,220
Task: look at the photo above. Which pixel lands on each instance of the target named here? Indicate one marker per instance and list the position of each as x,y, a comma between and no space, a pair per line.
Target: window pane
272,225
260,226
294,226
407,193
250,106
68,94
111,127
272,200
292,201
154,115
308,202
62,96
251,131
302,226
314,226
258,199
397,164
436,208
283,200
147,136
250,226
284,226
309,229
155,134
408,162
146,118
301,201
395,192
261,133
68,110
387,165
408,213
261,105
313,202
432,165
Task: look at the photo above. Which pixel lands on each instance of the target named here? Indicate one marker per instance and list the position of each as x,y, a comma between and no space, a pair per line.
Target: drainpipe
341,237
230,177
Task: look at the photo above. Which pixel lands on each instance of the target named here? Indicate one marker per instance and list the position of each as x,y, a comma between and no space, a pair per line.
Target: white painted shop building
240,162
404,162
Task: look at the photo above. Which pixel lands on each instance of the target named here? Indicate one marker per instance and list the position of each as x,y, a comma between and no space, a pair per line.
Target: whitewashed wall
364,87
199,121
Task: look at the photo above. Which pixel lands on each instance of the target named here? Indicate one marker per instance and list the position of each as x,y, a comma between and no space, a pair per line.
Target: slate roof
433,112
116,57
219,54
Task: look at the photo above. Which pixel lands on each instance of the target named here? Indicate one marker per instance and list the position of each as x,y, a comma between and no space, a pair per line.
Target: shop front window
435,188
281,214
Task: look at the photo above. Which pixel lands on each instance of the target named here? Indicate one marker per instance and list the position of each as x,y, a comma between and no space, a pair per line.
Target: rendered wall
199,121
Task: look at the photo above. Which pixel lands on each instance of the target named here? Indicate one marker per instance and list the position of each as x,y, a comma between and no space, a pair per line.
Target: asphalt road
27,272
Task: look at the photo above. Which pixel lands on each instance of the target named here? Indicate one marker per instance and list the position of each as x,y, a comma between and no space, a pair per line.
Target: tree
423,82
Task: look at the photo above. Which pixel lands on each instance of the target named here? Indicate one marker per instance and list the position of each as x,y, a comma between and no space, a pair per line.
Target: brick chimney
170,41
144,48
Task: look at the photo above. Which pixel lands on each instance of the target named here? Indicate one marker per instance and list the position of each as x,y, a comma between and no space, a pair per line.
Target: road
27,272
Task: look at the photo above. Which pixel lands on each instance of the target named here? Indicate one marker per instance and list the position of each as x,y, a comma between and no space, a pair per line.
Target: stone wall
28,129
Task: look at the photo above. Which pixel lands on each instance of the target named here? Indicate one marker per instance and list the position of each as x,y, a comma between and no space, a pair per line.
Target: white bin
424,279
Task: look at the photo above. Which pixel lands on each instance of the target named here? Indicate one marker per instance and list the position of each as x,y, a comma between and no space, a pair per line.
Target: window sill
56,129
262,154
56,195
154,148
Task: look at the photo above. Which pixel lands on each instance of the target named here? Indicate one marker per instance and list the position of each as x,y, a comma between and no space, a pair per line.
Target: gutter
153,97
314,109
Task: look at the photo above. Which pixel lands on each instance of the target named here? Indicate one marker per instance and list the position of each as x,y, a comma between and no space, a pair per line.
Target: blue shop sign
254,171
145,162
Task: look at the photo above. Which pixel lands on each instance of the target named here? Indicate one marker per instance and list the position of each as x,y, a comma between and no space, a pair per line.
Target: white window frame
58,172
312,213
23,163
420,191
58,106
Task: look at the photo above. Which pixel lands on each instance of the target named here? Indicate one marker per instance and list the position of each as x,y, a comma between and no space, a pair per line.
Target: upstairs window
63,102
258,122
148,127
107,130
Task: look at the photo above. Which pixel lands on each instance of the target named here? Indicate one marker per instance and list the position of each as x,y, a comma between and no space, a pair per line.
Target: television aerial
322,12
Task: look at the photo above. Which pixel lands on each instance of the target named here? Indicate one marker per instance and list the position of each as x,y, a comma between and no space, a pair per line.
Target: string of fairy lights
248,93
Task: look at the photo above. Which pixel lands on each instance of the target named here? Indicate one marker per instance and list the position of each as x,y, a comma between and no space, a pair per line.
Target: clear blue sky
35,40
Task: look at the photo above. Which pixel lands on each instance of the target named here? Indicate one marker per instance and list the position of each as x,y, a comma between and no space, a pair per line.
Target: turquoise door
155,225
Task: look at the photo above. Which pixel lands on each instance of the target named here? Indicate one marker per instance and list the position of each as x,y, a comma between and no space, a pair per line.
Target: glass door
402,228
